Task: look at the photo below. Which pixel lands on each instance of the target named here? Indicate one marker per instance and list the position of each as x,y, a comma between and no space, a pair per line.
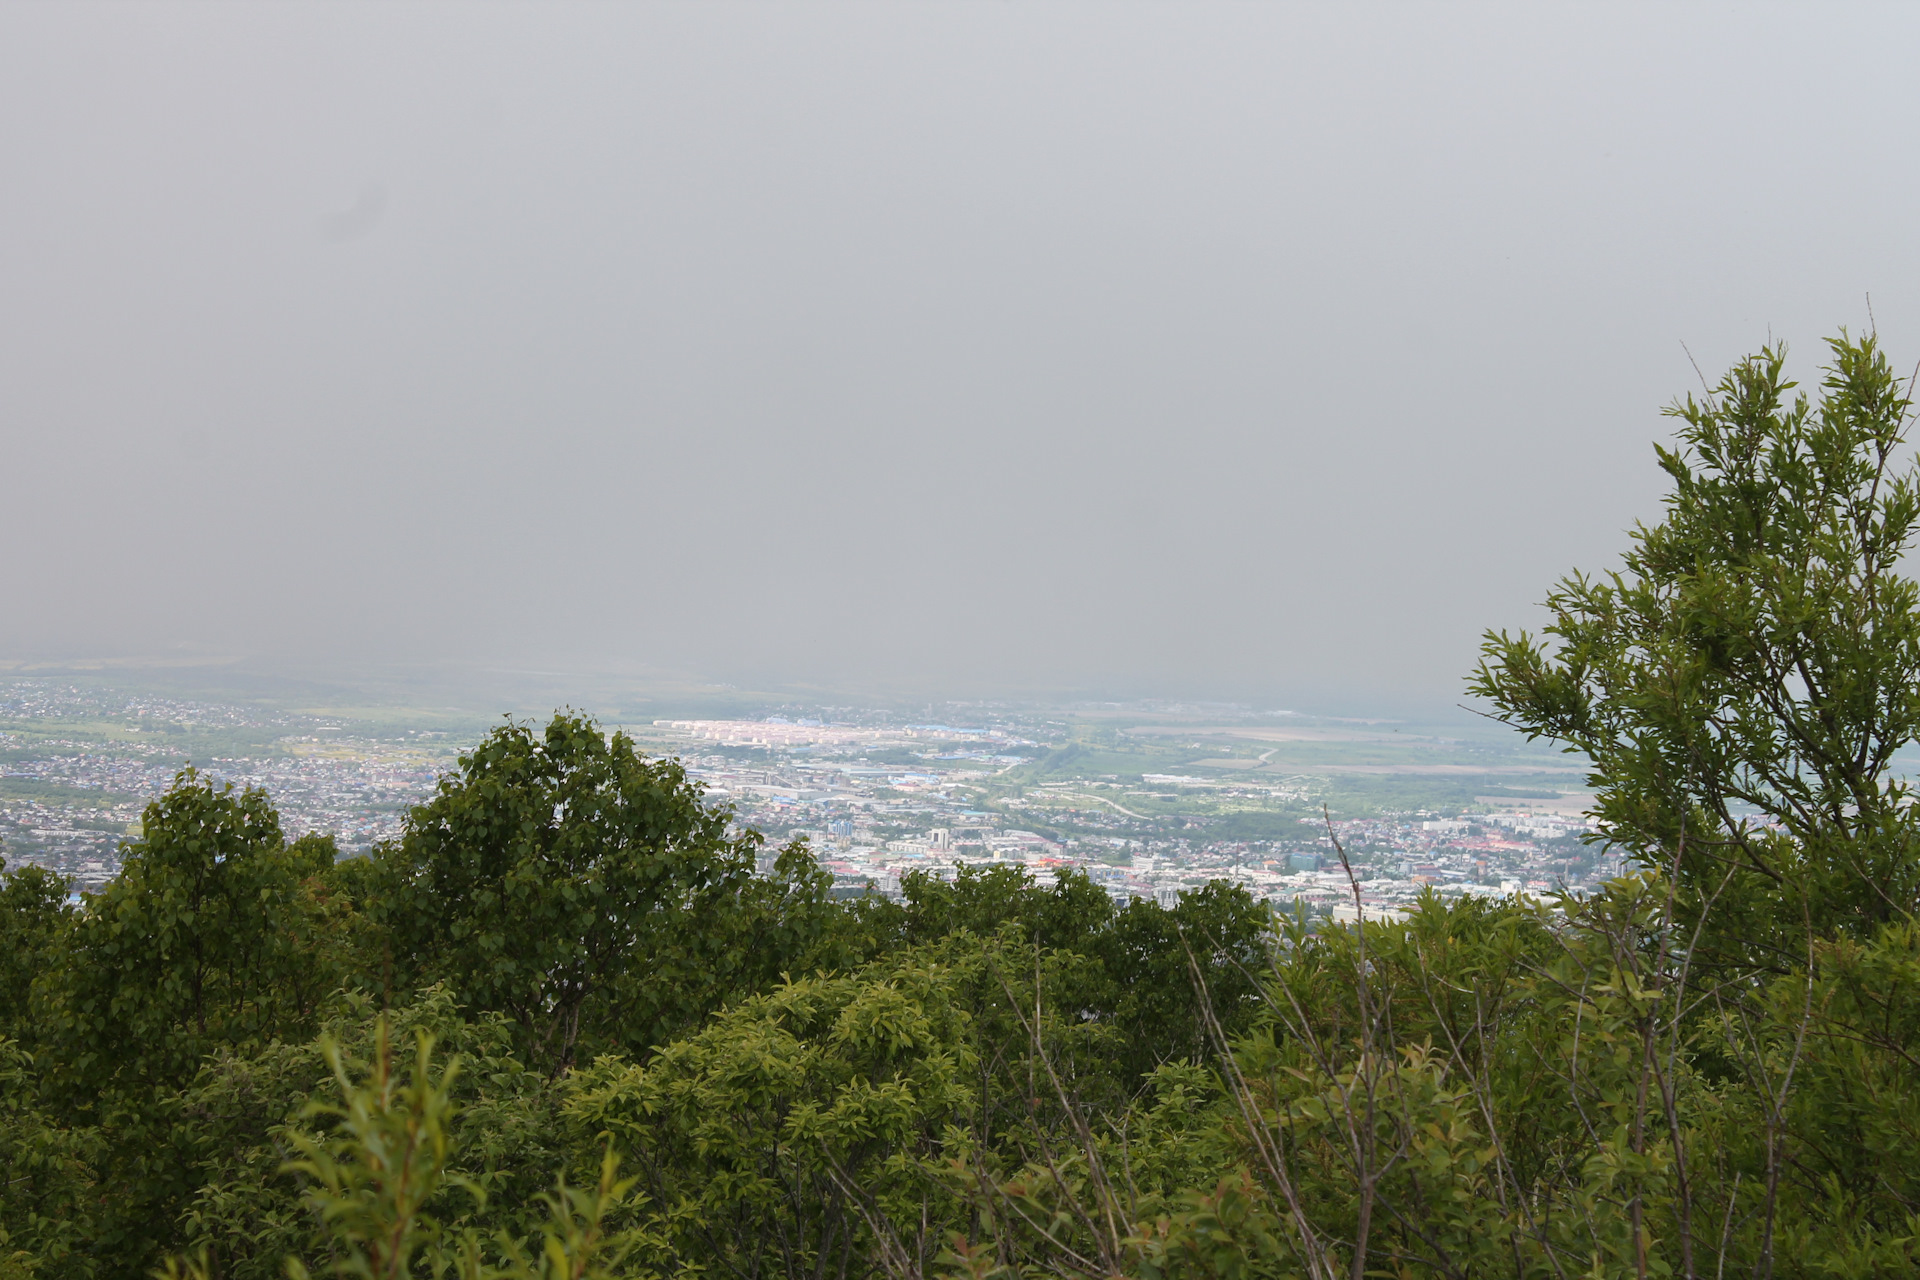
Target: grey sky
1187,349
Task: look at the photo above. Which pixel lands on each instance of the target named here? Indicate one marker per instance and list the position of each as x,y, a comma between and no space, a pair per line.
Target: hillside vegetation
561,1028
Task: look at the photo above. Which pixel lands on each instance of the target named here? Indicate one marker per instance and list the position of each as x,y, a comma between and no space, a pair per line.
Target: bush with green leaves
802,1132
253,1114
46,1176
1133,962
384,1200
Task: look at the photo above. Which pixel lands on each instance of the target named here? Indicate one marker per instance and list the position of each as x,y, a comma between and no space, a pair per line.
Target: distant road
1074,795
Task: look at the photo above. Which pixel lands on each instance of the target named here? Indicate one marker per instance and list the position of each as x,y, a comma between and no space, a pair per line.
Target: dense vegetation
561,1028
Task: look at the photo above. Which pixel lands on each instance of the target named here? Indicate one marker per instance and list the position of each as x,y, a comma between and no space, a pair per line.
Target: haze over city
1254,352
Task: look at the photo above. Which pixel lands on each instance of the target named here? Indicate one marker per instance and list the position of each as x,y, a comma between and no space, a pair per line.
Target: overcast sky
1190,349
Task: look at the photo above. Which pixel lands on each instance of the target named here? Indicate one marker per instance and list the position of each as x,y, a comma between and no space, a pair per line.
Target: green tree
46,1178
1137,965
802,1132
547,877
33,910
380,1186
1171,970
1742,683
249,1113
749,940
210,938
1069,913
200,941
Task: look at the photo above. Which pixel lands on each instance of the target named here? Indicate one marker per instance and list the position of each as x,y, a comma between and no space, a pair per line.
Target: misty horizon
1262,354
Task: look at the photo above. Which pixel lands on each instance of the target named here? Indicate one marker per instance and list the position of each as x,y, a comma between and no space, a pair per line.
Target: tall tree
1742,683
197,943
543,875
210,939
33,908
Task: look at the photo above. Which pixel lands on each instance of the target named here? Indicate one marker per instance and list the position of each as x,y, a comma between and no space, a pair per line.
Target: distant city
77,766
872,824
877,796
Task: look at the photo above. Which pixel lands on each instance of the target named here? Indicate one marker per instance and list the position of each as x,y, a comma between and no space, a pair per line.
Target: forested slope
560,1028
